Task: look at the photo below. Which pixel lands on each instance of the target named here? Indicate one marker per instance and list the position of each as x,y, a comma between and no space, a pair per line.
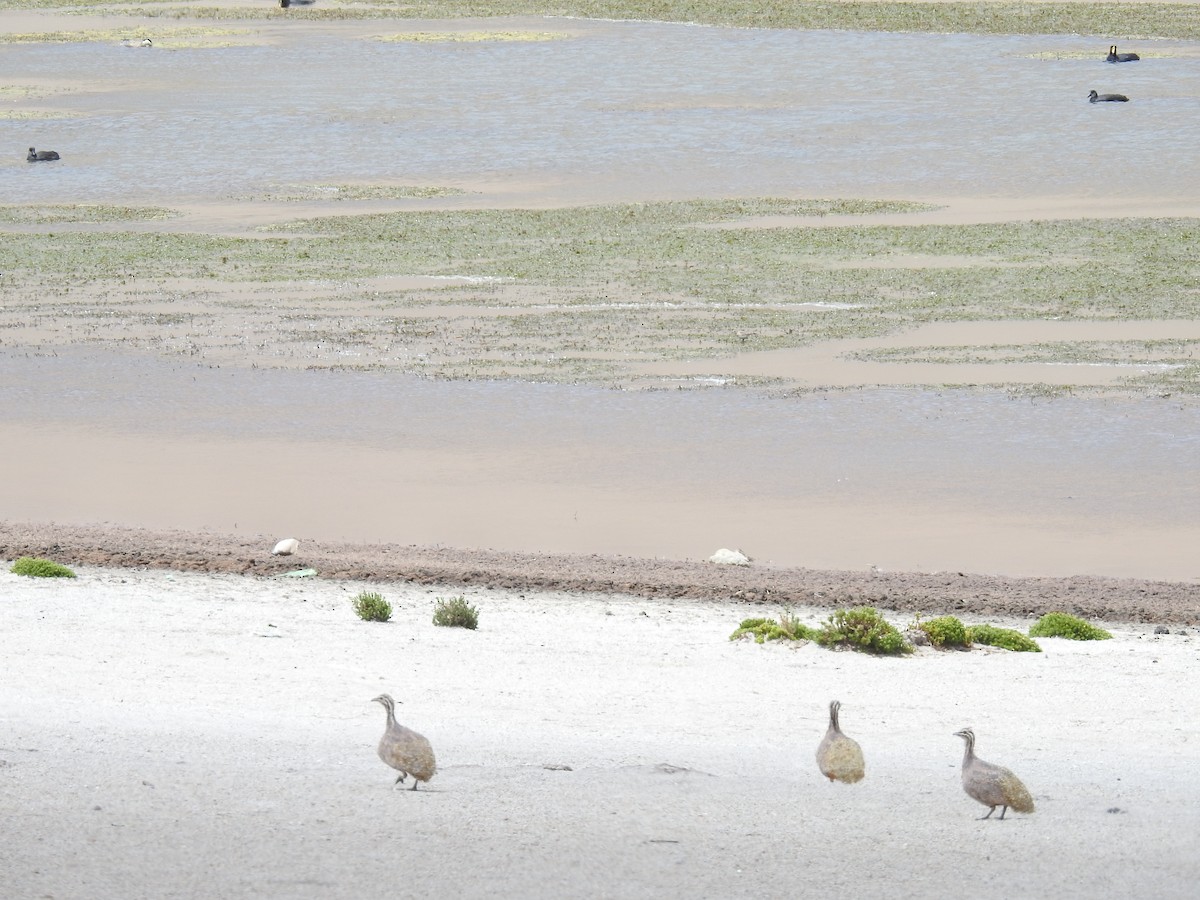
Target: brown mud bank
961,593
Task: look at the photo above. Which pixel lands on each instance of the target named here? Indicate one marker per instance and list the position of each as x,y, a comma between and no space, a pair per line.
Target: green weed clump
1059,624
36,567
371,607
455,613
862,628
1005,638
787,628
945,632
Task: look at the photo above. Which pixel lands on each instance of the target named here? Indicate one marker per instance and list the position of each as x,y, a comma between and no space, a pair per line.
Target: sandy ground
229,752
1054,512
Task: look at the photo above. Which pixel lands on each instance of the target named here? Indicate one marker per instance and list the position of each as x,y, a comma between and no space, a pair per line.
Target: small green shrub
371,607
788,627
36,567
1059,624
1006,638
455,613
862,628
945,632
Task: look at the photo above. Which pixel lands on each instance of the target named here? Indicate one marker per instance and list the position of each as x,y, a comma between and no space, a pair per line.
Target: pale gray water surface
614,111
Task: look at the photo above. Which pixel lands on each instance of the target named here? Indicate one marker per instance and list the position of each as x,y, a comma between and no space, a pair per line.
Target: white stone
730,558
286,547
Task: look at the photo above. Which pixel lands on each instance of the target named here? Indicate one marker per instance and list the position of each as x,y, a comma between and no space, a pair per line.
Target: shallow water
619,111
1103,458
622,111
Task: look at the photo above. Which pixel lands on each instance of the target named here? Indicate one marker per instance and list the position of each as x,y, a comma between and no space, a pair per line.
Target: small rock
730,558
1162,629
286,547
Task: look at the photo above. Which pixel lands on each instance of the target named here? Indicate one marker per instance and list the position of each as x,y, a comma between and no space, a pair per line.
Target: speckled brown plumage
839,757
403,749
990,784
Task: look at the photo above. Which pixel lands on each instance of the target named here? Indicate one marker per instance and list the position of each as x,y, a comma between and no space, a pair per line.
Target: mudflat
983,597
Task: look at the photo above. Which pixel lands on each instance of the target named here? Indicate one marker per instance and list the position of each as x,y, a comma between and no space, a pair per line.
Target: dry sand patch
176,735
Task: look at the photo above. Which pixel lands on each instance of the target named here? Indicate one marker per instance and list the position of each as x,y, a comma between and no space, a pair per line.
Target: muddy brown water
1104,457
895,479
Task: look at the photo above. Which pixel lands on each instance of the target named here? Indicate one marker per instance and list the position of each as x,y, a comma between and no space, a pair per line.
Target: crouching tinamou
839,757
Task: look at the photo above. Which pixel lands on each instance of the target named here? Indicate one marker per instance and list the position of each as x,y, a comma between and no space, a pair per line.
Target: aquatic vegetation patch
83,212
204,44
587,294
1181,379
1076,269
654,243
470,37
295,193
1164,352
11,92
27,115
27,93
163,38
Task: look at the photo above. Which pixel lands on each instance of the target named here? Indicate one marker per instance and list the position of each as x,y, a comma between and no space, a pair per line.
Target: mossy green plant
1006,638
371,607
36,567
455,612
762,630
945,632
862,628
1064,625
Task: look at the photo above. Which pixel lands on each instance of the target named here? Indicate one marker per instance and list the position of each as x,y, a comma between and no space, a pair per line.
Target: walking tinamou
403,749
